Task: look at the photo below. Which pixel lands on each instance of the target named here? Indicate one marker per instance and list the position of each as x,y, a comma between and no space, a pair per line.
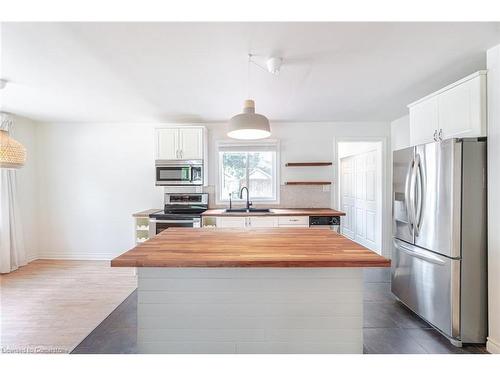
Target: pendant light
12,153
249,125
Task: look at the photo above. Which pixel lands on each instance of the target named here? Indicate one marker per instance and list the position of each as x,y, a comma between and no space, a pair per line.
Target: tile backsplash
290,197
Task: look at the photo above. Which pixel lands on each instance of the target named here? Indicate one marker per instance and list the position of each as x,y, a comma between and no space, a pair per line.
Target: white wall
302,142
24,131
92,177
354,148
400,133
493,64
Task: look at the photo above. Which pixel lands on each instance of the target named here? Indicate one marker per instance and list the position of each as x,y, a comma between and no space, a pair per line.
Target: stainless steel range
181,210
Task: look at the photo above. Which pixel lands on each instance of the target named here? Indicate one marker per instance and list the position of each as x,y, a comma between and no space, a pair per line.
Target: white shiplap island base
246,290
250,310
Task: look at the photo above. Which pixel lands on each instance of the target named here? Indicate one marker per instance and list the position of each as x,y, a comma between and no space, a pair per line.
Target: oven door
158,225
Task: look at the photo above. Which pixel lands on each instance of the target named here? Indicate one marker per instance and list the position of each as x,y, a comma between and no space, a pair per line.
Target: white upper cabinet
462,109
456,111
167,144
177,143
191,143
424,121
400,133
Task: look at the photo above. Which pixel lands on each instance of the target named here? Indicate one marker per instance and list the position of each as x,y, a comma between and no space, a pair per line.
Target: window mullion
248,175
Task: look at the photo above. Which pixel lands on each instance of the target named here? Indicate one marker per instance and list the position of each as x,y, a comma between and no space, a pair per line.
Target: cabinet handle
435,135
440,134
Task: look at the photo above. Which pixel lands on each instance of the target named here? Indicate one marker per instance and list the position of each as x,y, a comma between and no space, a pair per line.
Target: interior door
438,197
361,198
347,196
191,143
401,174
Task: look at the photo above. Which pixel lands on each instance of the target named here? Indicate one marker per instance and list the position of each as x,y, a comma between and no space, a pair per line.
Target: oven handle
172,221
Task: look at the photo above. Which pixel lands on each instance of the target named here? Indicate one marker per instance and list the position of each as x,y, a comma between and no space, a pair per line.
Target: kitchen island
277,290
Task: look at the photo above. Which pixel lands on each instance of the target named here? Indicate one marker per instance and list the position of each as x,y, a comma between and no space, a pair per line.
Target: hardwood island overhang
235,247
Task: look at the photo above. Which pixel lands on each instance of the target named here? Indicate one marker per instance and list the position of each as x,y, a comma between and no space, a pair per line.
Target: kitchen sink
248,210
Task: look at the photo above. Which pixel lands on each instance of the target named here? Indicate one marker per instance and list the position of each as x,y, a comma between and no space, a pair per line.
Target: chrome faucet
248,196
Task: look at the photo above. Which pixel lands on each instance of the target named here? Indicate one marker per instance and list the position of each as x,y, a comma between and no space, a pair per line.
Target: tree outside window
253,169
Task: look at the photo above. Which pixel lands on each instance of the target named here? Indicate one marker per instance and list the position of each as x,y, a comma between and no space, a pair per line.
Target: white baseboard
31,258
76,256
492,346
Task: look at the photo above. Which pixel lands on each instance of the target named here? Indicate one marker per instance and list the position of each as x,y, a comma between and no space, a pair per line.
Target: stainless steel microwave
179,172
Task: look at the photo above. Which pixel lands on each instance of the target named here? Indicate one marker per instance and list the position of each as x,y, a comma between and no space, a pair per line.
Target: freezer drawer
429,284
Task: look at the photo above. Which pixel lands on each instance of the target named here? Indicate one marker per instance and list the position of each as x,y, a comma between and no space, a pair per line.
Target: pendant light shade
12,153
249,125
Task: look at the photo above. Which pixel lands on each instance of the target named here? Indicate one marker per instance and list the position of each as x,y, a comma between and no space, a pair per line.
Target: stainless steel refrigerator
439,227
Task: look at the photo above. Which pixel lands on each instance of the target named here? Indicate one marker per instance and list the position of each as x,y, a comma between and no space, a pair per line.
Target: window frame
273,144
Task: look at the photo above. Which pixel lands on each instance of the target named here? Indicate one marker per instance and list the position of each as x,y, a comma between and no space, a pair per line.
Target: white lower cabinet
262,221
231,222
296,221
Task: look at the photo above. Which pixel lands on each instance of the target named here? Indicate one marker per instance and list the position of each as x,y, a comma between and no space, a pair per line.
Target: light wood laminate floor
50,306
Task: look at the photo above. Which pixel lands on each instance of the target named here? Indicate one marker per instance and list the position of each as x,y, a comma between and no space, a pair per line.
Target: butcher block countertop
278,212
235,247
146,213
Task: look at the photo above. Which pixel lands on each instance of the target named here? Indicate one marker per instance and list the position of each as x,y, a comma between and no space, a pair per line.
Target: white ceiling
198,71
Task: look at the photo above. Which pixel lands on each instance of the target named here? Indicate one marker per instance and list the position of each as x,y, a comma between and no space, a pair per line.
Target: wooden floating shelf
308,183
309,164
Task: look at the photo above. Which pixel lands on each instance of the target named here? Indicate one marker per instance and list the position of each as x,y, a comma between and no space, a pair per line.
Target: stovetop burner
182,206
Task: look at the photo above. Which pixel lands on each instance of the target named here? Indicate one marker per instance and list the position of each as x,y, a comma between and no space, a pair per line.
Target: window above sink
248,164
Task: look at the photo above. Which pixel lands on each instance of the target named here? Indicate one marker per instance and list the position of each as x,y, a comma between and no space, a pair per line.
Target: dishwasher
327,222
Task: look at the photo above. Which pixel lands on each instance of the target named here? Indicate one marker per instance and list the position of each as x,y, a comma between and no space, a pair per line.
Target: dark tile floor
389,327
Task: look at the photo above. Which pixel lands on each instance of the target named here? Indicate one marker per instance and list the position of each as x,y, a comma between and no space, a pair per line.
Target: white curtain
12,251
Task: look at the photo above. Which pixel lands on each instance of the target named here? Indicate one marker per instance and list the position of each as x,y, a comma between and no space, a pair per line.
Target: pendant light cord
248,75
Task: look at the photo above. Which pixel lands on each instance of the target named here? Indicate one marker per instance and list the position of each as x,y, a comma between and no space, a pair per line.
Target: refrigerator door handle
421,254
408,204
418,181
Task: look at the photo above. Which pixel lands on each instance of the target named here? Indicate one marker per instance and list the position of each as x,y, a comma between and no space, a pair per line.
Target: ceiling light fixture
12,153
250,125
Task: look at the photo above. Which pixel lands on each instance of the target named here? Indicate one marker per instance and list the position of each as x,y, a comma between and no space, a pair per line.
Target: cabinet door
262,222
423,121
296,221
167,144
461,112
231,222
191,143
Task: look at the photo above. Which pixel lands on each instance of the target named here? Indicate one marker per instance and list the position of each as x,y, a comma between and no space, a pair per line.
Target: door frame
386,165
